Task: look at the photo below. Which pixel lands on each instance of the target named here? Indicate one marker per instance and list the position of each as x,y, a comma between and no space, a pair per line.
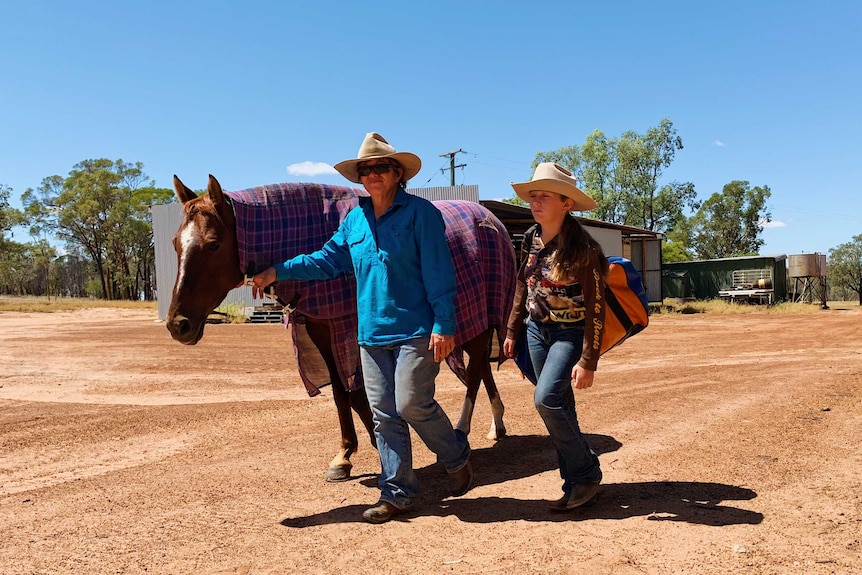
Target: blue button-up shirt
405,280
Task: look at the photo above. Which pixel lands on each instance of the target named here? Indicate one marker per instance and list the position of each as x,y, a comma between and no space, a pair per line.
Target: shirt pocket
362,249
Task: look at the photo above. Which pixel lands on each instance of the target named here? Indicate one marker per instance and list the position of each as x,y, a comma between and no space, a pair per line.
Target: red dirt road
729,444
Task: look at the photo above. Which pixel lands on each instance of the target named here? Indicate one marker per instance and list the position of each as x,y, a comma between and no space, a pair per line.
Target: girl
561,288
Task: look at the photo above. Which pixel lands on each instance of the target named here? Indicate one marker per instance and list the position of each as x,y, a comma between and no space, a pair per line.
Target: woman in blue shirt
395,244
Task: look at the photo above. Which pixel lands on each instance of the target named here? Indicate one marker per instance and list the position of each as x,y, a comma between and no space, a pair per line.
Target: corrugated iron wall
469,193
166,221
645,254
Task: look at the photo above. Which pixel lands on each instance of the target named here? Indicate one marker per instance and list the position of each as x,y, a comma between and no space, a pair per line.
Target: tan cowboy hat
551,177
375,146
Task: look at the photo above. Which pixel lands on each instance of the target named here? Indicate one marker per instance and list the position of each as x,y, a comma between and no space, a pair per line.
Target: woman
561,288
396,246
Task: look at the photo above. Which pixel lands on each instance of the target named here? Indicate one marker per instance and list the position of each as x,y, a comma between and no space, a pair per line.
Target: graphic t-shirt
548,301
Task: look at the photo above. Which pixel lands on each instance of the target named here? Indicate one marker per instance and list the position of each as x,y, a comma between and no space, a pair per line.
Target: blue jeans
399,382
554,351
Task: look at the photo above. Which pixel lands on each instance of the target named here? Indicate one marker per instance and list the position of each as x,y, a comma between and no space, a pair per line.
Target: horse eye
213,247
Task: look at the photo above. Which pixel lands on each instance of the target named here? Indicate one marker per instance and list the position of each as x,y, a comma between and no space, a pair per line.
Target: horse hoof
337,474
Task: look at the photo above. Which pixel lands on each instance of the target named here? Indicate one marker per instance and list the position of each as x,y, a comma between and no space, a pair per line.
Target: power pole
452,165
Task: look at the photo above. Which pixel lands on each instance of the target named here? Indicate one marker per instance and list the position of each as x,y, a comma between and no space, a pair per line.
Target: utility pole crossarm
452,165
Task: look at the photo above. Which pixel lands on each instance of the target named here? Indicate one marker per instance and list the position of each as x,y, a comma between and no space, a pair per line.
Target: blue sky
764,91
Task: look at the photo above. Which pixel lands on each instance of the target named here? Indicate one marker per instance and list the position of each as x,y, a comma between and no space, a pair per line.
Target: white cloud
773,224
719,143
310,169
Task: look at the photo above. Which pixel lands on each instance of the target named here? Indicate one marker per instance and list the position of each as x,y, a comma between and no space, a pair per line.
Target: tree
103,208
9,216
675,247
845,266
13,260
727,224
624,176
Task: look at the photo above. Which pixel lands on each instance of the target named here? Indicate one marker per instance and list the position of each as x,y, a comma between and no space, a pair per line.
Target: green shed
704,279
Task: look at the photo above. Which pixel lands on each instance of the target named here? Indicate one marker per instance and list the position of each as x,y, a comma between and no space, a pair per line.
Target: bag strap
617,308
527,244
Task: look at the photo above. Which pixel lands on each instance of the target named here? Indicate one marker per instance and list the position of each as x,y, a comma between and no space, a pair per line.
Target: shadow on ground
522,456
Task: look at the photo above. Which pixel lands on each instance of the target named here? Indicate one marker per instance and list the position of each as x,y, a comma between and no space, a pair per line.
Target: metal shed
642,247
704,279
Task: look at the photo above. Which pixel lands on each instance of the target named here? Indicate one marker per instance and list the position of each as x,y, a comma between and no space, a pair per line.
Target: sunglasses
376,168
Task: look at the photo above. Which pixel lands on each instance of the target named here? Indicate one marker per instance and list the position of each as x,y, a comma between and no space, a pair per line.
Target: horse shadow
522,456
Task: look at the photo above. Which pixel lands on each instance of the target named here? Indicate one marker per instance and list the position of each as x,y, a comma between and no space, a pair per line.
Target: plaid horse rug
279,221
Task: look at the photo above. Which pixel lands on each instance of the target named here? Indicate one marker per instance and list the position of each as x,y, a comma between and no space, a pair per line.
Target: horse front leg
340,466
359,403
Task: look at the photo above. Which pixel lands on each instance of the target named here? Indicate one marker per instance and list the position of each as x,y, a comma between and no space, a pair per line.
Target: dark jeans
554,351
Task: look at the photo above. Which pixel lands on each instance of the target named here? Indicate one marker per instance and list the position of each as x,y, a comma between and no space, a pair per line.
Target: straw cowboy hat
375,146
550,177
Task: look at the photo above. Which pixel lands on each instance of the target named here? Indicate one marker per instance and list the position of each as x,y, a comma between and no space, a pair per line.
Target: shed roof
518,218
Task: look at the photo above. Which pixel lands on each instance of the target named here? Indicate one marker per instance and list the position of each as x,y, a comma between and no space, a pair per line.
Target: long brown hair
575,249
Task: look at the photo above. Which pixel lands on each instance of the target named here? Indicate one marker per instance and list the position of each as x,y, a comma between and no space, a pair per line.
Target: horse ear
215,192
183,193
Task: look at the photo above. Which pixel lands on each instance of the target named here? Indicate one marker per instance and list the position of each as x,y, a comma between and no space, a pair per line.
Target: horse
226,236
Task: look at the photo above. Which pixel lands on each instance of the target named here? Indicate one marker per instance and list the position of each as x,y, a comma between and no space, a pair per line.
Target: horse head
207,257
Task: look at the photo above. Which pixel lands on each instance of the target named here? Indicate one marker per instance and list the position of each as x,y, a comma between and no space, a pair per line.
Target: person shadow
518,457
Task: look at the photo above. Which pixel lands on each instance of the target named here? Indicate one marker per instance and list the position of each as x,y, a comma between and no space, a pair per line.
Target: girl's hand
582,377
509,348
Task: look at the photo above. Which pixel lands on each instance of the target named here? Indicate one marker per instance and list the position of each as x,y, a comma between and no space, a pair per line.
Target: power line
786,208
434,175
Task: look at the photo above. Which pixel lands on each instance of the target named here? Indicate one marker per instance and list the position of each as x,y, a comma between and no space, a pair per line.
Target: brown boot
462,480
382,512
582,494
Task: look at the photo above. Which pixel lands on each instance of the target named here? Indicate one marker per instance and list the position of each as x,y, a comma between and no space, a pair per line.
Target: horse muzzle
185,330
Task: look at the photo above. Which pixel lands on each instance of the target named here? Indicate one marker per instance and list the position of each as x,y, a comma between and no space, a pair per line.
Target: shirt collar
401,198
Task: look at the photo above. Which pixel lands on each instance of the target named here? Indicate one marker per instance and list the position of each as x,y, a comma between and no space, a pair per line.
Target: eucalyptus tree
845,266
625,176
9,216
102,207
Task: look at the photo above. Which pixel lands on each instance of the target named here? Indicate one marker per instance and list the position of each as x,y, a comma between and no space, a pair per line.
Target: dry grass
727,308
48,305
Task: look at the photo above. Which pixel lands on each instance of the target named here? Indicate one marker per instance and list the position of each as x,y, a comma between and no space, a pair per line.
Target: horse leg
340,466
498,428
478,370
359,403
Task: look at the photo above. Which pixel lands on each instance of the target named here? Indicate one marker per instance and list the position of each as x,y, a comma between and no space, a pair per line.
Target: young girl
561,287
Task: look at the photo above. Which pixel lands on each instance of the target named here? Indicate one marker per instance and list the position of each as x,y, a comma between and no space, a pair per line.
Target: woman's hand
442,345
582,377
260,281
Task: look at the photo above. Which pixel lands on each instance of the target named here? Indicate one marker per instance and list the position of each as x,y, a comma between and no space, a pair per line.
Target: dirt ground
729,444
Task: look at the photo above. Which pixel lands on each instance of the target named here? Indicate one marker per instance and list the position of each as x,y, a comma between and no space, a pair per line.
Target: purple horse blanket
279,221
